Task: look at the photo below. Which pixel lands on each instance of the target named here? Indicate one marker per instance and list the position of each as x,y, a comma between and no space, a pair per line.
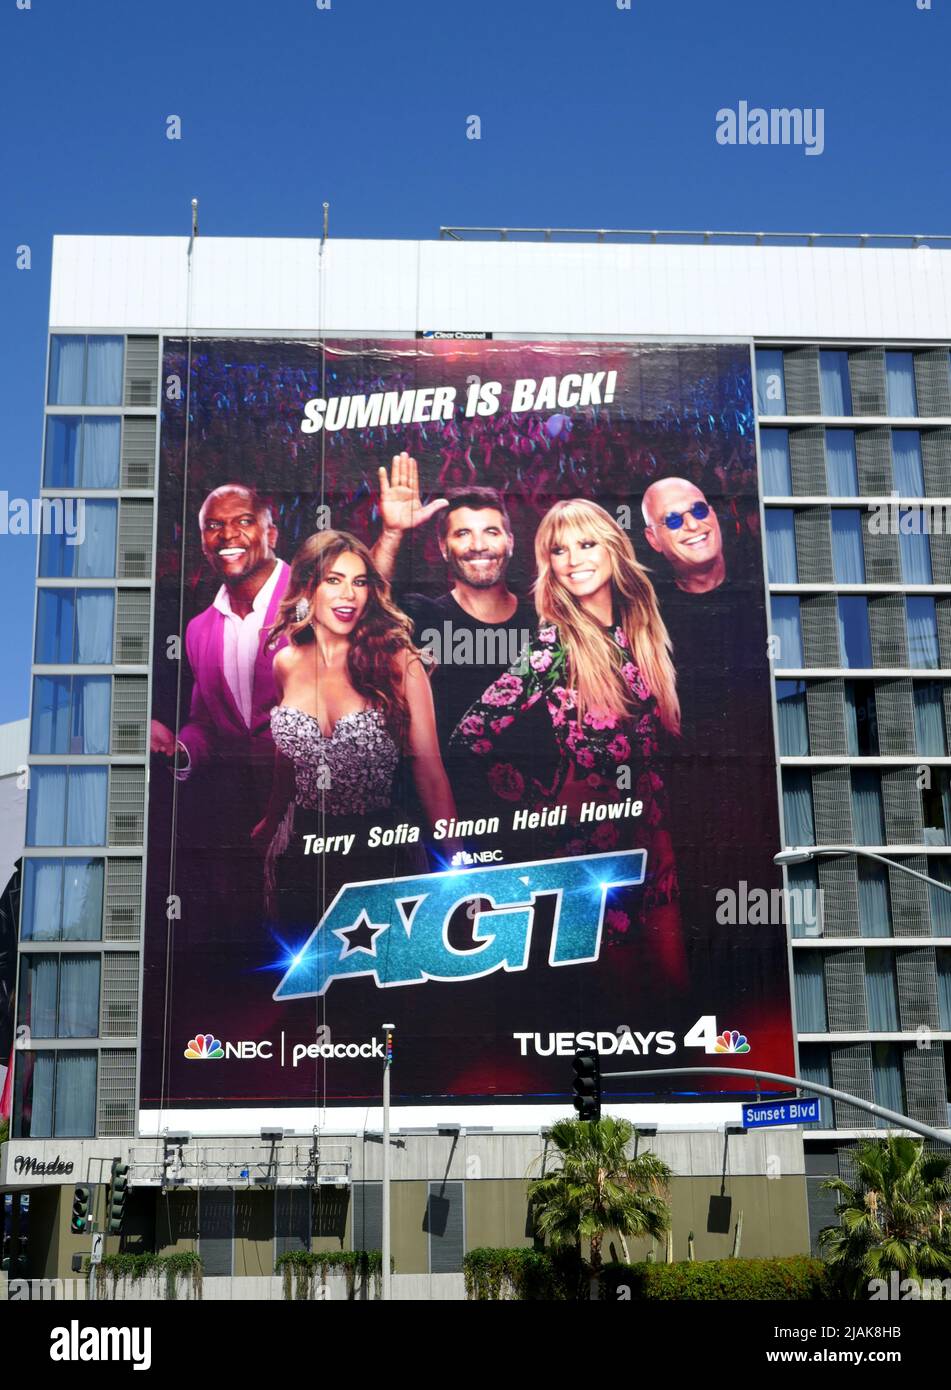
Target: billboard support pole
388,1029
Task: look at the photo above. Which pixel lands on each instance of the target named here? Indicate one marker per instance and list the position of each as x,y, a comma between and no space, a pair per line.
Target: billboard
461,722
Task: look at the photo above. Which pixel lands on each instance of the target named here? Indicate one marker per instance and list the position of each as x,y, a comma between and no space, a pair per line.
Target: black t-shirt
470,654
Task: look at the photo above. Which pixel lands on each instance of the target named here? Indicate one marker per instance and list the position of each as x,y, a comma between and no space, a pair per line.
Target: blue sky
591,116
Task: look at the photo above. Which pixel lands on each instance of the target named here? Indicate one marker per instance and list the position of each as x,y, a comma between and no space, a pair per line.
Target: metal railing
655,236
253,1163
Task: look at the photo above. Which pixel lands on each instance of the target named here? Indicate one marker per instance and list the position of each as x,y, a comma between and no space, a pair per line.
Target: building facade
853,399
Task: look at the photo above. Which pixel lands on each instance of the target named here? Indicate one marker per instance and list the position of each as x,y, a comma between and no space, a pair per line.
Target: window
868,822
835,390
936,808
939,868
861,721
55,1095
787,631
770,382
62,900
815,1066
848,556
85,371
803,904
777,477
922,633
854,639
59,995
944,990
793,725
797,807
888,1086
71,714
780,545
875,907
900,383
67,806
881,991
74,626
841,468
81,541
82,452
915,546
930,735
810,980
906,453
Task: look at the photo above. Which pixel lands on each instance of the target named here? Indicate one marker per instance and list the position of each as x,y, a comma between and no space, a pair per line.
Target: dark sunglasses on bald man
674,520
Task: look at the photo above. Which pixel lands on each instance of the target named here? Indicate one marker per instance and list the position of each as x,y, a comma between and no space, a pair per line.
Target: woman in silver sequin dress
356,711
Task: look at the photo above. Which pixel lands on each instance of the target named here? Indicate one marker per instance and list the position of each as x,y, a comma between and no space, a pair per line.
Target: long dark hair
376,643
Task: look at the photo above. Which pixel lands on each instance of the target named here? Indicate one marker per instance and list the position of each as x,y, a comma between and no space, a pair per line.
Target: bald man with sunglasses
681,525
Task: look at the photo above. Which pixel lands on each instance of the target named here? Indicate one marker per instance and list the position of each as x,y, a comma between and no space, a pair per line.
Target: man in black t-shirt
477,630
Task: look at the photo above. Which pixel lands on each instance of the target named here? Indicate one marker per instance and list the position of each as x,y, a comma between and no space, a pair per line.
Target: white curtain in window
797,808
770,382
944,990
40,1096
94,623
86,813
906,453
815,1066
79,997
42,973
96,557
855,642
42,889
803,899
940,899
900,383
929,720
786,627
46,807
867,821
793,725
915,549
835,390
922,633
100,452
887,1080
50,732
810,992
104,371
67,355
92,701
841,469
881,991
780,545
774,447
874,915
82,901
75,1095
848,556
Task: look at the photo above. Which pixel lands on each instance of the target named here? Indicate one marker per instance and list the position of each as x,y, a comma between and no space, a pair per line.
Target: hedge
525,1275
796,1278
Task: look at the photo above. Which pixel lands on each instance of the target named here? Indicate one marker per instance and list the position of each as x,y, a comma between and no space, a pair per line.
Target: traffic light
79,1224
586,1095
116,1199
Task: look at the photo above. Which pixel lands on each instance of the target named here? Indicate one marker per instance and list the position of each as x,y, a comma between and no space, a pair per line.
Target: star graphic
360,937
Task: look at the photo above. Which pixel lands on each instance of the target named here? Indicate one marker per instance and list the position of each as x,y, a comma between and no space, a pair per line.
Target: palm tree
599,1187
897,1217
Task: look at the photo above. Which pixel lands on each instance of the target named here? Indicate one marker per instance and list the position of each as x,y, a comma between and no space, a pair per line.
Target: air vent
141,371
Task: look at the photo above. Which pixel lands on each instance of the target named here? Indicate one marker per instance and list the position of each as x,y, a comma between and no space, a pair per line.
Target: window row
834,382
99,451
850,537
824,462
92,627
888,1064
79,899
103,539
924,799
853,637
55,1095
881,991
85,370
857,716
59,995
861,899
89,715
85,806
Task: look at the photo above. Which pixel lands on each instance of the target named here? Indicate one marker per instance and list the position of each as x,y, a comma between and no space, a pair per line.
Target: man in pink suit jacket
227,735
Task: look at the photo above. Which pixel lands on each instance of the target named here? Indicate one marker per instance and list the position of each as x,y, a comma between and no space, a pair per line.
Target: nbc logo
731,1042
205,1046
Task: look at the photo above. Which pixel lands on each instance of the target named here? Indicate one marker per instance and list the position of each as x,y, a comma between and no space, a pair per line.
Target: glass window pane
89,727
770,382
777,478
900,383
887,1084
922,633
54,626
787,630
841,467
861,721
854,636
944,990
881,991
875,918
82,900
39,984
86,812
803,901
909,472
797,808
79,997
848,556
816,1067
835,390
67,363
930,735
939,868
49,730
94,625
793,725
42,896
61,463
935,808
868,821
46,806
104,371
780,545
914,545
97,552
34,1118
56,557
810,984
100,467
75,1112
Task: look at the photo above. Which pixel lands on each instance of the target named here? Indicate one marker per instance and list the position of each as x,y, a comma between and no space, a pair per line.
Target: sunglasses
674,520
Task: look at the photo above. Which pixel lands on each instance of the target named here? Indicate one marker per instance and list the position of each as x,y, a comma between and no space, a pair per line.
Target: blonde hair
594,669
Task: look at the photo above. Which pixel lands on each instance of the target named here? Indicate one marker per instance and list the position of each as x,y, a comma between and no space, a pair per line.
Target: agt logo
398,931
205,1047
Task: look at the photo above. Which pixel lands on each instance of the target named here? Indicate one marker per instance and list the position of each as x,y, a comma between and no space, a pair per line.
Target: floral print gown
528,751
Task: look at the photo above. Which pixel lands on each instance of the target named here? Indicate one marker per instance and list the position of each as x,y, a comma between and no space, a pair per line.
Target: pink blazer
215,725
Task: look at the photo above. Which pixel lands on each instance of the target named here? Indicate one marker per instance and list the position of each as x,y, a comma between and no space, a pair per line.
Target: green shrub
299,1268
795,1278
181,1263
526,1275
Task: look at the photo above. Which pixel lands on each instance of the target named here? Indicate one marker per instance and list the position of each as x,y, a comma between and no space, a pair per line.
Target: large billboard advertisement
461,722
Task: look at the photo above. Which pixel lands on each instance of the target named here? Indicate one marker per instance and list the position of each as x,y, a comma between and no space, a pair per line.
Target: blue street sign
782,1112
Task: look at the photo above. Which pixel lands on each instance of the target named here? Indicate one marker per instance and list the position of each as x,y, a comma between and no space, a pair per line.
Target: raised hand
400,505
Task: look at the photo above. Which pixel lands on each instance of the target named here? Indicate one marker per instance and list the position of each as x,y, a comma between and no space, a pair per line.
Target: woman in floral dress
582,718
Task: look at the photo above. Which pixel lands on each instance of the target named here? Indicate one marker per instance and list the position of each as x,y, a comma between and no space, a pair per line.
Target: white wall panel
244,284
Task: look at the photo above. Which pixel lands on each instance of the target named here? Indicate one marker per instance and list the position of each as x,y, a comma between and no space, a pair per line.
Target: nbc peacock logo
731,1041
204,1047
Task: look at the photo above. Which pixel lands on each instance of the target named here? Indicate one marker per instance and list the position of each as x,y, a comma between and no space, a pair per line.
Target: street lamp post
801,854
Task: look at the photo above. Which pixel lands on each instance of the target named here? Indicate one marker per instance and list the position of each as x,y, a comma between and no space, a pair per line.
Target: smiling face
694,546
582,565
236,543
339,600
477,548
